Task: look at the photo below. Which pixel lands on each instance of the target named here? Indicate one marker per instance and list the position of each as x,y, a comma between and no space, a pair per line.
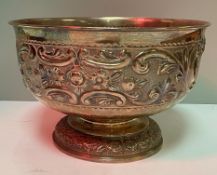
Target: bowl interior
111,22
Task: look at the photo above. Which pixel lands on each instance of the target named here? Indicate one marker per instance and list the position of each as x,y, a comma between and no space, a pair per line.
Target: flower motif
51,76
100,80
76,80
128,84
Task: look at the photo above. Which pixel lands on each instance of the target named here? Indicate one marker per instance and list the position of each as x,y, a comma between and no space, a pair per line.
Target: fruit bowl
108,75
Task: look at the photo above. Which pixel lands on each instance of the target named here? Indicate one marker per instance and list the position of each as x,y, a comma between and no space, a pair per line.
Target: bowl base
100,147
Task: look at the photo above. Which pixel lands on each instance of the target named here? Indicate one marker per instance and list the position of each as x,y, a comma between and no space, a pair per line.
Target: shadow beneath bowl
171,122
184,138
46,122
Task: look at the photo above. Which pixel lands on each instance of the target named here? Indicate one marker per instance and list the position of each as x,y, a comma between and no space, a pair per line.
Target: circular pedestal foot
108,149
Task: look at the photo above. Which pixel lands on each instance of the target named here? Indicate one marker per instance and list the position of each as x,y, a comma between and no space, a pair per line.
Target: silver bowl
109,75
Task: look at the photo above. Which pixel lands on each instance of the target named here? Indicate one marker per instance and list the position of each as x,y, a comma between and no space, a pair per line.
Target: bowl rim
149,23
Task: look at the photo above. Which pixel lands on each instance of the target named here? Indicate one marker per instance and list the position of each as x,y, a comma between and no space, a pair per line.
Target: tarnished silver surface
109,69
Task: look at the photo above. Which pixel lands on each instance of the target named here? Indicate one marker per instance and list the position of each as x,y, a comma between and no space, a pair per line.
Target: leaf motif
154,94
107,54
141,67
116,76
140,82
167,68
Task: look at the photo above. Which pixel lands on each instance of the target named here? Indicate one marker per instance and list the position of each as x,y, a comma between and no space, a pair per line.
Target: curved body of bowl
109,67
109,74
